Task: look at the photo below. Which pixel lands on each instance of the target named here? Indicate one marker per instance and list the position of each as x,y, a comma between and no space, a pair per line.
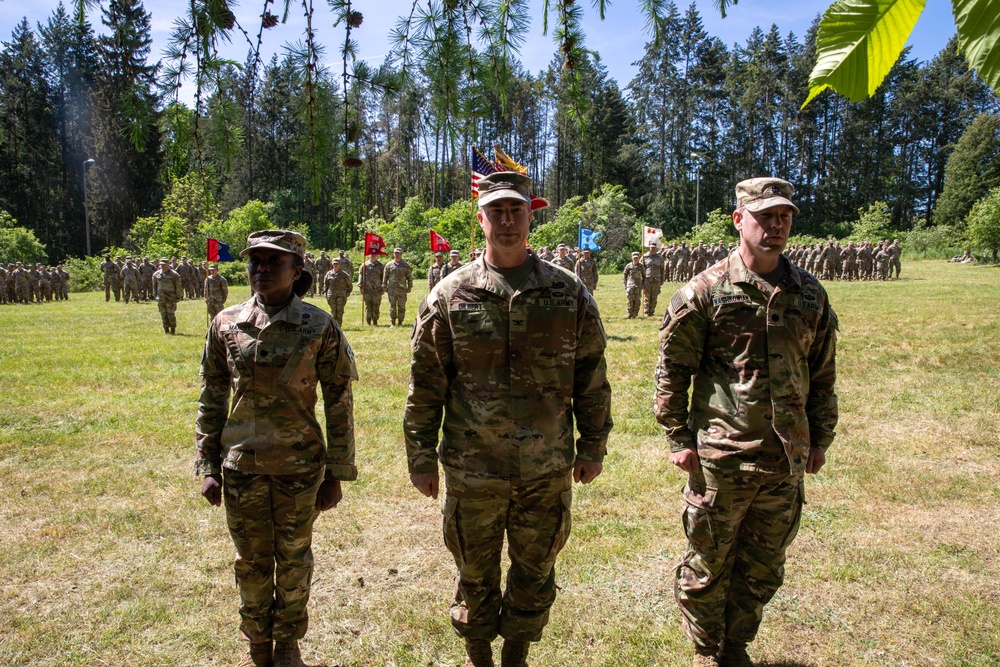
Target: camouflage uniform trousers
738,526
397,305
131,291
650,292
373,304
894,265
112,285
214,308
337,304
535,515
634,296
270,519
168,313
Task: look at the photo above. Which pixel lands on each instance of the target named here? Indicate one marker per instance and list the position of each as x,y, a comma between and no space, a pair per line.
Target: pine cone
268,20
226,19
351,162
355,19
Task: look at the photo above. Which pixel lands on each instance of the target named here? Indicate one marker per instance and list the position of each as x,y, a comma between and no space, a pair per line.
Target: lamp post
86,206
697,186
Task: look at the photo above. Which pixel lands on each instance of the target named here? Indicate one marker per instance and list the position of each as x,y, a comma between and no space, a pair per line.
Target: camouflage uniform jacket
345,265
397,276
216,288
337,283
323,266
110,269
370,276
167,286
563,262
130,276
587,270
434,274
272,366
655,269
450,268
509,373
633,275
757,363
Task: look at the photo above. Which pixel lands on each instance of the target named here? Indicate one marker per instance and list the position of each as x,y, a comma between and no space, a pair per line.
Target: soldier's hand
817,459
329,495
426,482
686,460
586,472
211,488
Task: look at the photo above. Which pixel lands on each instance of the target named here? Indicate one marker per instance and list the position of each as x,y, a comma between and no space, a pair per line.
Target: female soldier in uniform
265,455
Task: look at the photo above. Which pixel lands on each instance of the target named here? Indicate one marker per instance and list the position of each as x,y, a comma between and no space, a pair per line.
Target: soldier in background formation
33,283
370,285
130,281
323,266
655,272
309,266
336,288
111,272
562,258
436,271
454,263
633,277
345,263
861,261
397,282
216,291
586,268
169,289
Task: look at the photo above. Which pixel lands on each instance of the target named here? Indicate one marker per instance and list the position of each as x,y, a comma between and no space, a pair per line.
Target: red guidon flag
373,244
439,243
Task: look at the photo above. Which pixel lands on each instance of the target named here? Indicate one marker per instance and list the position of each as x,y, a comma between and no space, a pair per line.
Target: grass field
109,556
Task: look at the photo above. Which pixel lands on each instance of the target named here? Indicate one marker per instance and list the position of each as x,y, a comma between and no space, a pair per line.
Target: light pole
697,186
86,206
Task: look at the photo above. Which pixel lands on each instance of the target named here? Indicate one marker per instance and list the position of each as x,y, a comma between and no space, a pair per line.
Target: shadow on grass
623,339
782,664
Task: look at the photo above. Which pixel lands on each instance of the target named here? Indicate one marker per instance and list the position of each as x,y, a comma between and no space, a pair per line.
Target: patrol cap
276,239
439,254
395,250
504,185
336,260
635,254
214,266
164,260
756,194
454,253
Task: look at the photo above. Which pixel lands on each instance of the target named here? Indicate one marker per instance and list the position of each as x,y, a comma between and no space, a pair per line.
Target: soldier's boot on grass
479,652
702,660
259,655
735,656
166,330
286,654
173,330
514,653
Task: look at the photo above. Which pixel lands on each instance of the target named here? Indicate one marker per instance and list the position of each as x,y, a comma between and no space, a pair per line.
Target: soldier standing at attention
310,267
168,290
652,263
758,329
454,264
146,271
562,259
586,268
896,252
337,287
323,266
130,281
633,278
109,271
436,271
397,281
265,455
370,286
510,351
345,264
216,291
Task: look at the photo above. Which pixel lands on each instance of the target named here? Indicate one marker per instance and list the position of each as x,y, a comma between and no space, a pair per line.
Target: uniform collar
482,278
254,314
739,273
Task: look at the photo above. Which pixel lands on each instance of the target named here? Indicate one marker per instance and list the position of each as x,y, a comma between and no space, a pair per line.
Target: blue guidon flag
588,240
219,251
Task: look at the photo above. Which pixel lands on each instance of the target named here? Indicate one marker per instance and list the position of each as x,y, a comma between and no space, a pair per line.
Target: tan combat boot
514,653
735,656
480,653
259,655
705,661
286,654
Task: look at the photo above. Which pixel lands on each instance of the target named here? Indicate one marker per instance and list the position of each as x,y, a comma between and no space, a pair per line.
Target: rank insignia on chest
776,318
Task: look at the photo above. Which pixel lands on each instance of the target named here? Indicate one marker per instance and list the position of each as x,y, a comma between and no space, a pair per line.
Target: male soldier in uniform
216,291
345,264
370,286
454,264
561,259
183,269
146,271
586,268
309,264
21,284
652,263
323,266
130,281
168,289
758,336
850,258
33,294
202,275
436,271
633,278
499,350
337,287
397,282
896,252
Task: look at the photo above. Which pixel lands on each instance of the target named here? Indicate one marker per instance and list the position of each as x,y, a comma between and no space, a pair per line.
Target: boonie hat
756,194
277,239
504,185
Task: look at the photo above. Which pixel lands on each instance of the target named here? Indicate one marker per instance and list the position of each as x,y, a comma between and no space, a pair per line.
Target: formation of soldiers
861,261
33,283
132,279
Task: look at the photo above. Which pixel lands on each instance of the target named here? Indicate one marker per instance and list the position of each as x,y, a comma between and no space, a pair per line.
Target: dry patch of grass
110,557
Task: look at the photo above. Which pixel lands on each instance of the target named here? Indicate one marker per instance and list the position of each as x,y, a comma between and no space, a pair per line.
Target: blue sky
619,39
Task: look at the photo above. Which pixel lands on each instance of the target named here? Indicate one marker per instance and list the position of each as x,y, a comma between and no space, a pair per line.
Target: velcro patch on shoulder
679,306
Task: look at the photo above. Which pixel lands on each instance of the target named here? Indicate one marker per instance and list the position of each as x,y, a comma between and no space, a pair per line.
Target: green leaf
979,36
858,43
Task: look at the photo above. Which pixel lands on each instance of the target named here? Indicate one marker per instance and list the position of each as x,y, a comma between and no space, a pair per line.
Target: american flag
480,167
